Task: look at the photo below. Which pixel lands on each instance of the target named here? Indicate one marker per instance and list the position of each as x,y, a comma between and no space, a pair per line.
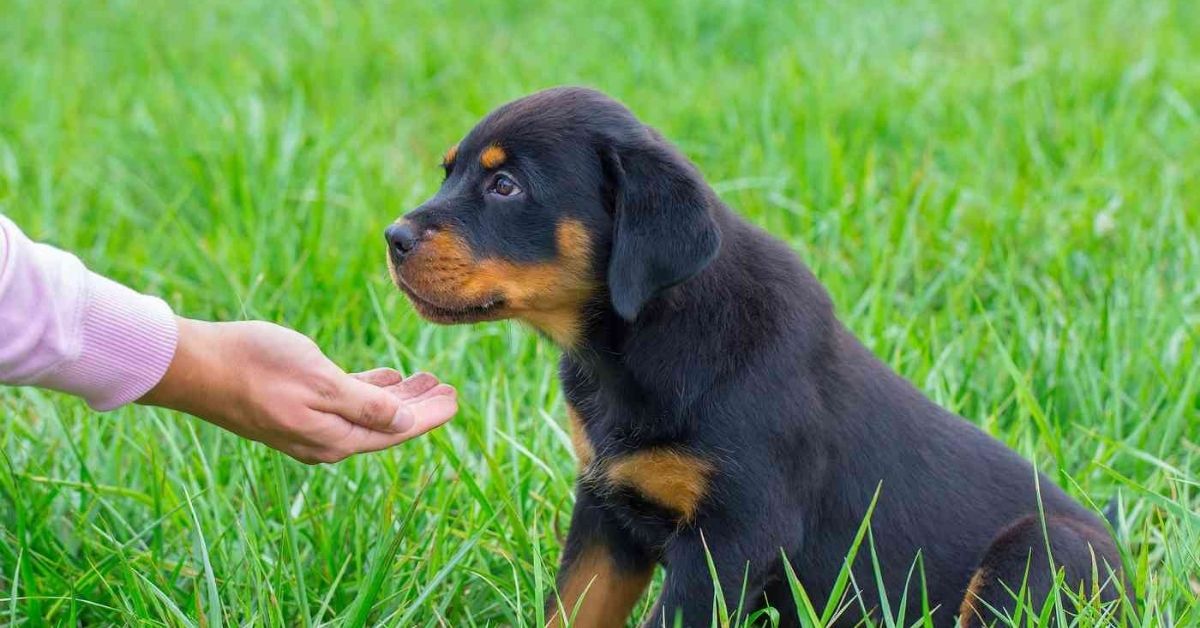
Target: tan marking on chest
584,452
668,477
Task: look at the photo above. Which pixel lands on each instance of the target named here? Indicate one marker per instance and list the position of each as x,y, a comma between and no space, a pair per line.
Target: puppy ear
664,230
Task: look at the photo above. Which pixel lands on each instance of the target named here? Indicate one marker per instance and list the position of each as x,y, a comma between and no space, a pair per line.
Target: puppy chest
670,478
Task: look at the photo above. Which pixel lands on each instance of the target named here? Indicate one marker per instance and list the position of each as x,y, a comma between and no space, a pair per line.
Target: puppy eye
504,186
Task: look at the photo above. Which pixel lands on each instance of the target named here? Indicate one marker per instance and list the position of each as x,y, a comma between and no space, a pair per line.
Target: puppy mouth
487,310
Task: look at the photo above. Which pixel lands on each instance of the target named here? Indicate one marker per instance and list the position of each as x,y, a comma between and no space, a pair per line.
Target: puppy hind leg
1018,558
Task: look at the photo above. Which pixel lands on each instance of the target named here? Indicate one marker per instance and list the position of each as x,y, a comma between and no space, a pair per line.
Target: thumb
370,406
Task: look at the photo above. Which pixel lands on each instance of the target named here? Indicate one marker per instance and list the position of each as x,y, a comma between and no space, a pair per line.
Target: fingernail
403,420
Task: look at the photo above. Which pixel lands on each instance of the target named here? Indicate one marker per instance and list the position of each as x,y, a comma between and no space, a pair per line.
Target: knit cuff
128,341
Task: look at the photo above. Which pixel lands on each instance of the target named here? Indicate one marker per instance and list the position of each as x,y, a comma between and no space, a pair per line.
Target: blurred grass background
1001,197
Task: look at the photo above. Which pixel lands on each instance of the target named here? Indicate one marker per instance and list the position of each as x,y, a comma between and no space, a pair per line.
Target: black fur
708,334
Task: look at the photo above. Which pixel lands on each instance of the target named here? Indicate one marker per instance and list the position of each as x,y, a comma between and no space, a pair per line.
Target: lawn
1002,197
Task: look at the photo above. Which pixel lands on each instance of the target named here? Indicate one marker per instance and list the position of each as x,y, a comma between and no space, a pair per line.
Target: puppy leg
688,590
1018,555
603,571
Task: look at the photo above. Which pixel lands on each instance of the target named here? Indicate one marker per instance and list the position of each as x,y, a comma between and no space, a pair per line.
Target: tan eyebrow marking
448,157
492,156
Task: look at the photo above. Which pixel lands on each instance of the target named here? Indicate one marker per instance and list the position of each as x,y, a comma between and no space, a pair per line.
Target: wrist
191,382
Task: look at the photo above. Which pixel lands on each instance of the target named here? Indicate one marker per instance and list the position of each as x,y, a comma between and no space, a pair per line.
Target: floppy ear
664,230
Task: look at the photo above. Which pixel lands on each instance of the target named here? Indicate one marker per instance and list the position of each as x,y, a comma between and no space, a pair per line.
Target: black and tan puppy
715,401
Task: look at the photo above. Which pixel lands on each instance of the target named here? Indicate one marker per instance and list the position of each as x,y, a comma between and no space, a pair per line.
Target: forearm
66,328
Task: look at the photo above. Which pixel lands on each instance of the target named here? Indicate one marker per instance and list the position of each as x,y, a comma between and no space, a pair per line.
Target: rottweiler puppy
717,406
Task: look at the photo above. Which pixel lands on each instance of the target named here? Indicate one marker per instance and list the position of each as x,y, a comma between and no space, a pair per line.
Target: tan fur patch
450,154
967,612
608,594
584,452
548,295
492,157
665,476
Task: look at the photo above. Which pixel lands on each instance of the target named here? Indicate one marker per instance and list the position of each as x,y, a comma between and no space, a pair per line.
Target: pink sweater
66,328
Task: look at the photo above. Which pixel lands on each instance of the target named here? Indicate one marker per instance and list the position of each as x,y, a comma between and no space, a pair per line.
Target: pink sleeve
66,328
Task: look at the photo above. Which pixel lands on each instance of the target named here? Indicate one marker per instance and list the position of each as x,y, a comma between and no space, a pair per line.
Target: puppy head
552,203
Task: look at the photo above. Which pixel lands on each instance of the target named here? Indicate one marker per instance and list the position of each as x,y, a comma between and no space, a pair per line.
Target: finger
408,414
367,405
414,386
380,377
429,415
432,412
441,390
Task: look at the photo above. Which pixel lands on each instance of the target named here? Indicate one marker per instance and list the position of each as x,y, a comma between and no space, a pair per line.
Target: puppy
718,409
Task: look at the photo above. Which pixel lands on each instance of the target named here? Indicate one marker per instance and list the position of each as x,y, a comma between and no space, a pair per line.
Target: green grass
1003,199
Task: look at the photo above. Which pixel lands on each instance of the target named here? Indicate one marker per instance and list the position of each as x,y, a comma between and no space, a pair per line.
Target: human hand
274,385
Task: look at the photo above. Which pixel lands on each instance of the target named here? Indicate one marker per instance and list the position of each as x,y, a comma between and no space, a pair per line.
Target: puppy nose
401,238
